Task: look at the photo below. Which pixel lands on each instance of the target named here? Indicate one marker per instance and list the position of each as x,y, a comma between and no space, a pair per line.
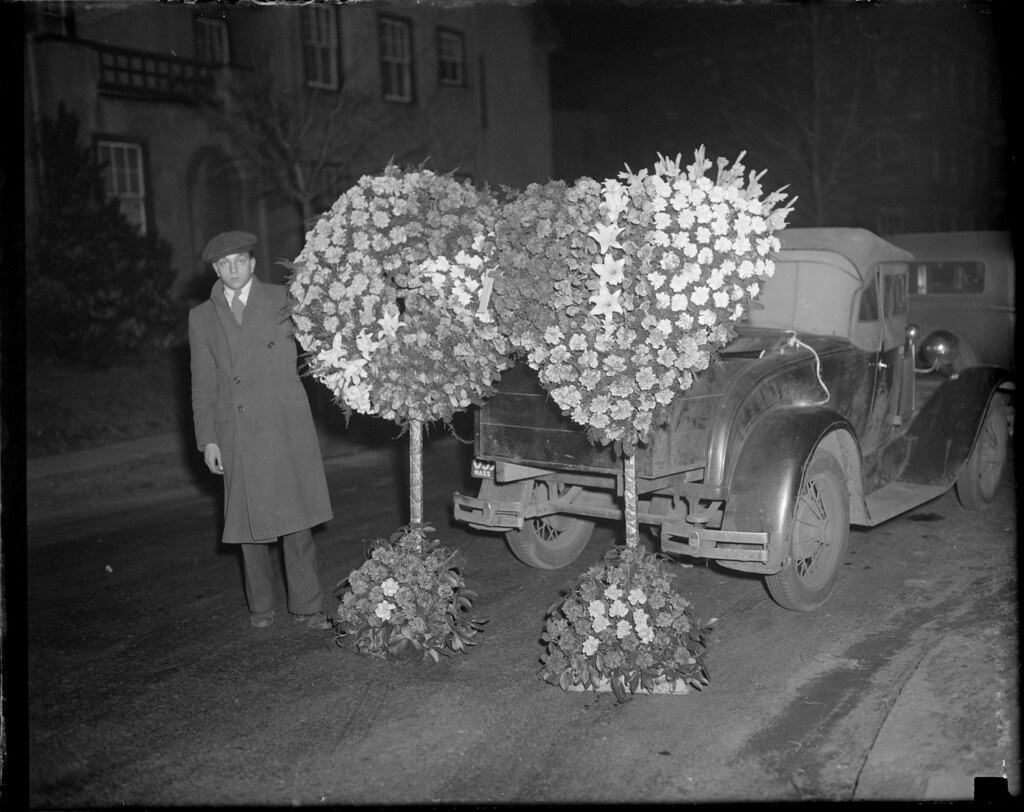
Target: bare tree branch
297,142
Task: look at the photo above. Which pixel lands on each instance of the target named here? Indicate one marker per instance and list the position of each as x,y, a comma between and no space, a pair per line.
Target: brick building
464,88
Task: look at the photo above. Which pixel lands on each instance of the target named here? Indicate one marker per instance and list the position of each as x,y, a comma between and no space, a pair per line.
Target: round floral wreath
630,312
391,296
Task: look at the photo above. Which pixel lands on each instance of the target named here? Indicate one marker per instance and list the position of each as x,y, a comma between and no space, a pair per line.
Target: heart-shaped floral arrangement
619,292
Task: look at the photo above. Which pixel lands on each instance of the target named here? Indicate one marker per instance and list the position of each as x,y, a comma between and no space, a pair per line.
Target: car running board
899,497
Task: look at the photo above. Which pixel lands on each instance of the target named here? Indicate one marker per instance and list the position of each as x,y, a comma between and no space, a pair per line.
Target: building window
211,41
124,178
396,59
451,58
320,46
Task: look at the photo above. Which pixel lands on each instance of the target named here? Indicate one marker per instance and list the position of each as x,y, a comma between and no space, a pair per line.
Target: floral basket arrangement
619,292
624,629
408,601
391,296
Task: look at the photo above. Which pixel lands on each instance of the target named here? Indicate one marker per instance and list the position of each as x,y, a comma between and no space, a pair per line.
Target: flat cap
230,242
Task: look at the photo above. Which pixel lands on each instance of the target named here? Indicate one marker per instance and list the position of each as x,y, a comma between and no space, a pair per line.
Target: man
253,426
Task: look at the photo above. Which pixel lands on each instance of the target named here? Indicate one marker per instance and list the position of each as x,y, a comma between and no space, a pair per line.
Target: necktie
237,306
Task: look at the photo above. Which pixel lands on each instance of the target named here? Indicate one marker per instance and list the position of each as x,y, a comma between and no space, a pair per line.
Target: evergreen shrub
97,290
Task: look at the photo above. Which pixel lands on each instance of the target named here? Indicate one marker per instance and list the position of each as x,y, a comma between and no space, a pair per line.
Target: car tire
550,542
818,539
978,480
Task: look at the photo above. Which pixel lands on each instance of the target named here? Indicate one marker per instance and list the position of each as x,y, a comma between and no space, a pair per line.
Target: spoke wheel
979,479
819,536
550,542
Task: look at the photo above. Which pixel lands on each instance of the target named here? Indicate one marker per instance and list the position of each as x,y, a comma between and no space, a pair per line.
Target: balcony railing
153,75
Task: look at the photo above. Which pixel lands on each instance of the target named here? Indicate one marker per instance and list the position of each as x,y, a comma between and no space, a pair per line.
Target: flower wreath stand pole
629,497
415,472
392,315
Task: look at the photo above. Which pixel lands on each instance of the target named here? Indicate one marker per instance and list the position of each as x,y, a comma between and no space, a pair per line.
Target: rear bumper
501,515
703,543
489,514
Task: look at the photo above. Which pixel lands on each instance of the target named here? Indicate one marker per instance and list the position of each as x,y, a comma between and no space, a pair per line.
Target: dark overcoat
248,398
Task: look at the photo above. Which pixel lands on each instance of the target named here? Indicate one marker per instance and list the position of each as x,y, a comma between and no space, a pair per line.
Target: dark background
891,116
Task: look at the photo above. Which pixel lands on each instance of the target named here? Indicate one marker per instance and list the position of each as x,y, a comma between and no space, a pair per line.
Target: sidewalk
104,456
162,467
144,471
112,455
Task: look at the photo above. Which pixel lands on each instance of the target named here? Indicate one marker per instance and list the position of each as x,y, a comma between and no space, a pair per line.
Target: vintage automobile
818,415
963,284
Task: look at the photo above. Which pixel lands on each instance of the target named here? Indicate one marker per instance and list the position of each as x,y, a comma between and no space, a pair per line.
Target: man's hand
211,455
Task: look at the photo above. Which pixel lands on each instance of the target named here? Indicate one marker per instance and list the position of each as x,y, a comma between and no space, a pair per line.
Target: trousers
305,596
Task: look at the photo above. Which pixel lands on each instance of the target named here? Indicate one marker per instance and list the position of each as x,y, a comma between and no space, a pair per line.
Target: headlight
940,350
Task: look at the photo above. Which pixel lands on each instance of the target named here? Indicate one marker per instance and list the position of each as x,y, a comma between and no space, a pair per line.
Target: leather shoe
317,620
260,620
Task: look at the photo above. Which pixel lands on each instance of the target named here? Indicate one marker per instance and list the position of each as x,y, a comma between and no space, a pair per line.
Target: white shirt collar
243,293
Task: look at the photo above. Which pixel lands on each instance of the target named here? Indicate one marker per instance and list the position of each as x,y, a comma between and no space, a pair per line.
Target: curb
76,469
128,451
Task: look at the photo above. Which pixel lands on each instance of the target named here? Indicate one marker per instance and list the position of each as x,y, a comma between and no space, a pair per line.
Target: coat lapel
259,323
229,327
259,314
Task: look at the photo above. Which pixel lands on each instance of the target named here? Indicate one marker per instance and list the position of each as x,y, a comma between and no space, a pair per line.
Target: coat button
270,345
237,379
241,408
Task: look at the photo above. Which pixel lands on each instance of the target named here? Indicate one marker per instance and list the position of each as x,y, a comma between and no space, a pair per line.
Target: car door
883,305
897,352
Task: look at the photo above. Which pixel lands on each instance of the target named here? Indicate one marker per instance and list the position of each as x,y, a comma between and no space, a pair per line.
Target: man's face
235,270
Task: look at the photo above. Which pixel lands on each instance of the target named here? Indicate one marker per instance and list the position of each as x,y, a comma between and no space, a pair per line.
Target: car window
869,302
895,294
960,276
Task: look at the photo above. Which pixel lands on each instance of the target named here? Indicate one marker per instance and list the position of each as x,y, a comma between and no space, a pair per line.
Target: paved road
147,686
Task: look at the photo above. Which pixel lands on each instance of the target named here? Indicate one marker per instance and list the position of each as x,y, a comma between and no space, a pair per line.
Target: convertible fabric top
862,248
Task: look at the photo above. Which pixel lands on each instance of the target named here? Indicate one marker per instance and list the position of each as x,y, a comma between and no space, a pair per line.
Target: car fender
770,466
946,429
